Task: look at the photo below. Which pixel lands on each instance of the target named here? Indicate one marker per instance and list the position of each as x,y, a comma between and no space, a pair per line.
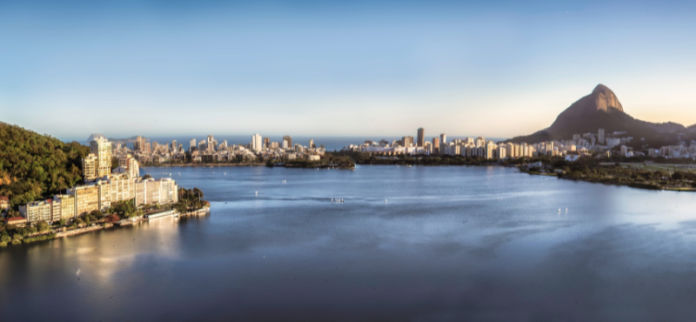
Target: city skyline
338,69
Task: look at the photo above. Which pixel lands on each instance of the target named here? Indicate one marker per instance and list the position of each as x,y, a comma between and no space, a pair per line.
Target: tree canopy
34,166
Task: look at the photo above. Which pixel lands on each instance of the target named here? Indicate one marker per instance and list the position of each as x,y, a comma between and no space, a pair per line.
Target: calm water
408,244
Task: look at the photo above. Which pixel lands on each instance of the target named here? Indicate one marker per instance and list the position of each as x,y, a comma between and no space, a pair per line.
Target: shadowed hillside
601,109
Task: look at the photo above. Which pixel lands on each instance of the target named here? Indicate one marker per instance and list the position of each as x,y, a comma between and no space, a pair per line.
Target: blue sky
493,68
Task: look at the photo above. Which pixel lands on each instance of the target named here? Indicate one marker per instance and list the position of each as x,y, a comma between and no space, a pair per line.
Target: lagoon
408,244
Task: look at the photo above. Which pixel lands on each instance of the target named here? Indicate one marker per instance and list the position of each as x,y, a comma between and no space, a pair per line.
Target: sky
337,68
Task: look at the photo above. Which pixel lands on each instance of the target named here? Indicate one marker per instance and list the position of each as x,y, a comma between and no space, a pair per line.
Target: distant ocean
329,142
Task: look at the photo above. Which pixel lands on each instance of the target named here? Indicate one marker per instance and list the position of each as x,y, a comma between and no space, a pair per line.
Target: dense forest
33,166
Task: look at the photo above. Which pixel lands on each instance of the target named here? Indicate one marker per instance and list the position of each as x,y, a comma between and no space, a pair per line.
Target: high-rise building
55,211
421,137
86,199
121,187
151,191
407,141
37,210
104,194
289,139
101,147
266,142
600,136
174,146
436,145
256,143
286,144
443,138
138,143
311,143
67,206
192,144
89,167
210,146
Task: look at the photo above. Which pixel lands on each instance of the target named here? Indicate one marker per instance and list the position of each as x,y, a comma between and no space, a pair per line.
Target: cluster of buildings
210,150
470,147
581,144
103,187
675,151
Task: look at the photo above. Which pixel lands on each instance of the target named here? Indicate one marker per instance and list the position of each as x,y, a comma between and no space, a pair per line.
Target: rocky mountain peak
604,98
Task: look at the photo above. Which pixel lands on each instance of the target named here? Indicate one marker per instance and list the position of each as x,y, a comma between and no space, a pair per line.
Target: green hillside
33,166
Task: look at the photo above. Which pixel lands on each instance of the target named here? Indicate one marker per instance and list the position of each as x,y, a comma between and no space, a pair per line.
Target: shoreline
104,225
205,165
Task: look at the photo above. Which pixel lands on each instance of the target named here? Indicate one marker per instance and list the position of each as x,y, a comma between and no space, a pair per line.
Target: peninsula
51,189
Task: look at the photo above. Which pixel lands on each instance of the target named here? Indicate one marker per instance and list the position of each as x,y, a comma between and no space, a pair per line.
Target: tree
97,214
197,193
114,163
42,226
180,207
5,239
147,176
38,164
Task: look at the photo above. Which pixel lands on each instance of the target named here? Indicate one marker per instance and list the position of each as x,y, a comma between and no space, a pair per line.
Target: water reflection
452,244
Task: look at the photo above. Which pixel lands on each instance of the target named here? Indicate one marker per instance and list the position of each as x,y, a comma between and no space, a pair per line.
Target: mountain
601,109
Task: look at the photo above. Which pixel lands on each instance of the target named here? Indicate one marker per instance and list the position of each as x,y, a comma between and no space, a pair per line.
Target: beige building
122,187
151,191
130,164
101,147
104,194
37,211
168,191
66,204
89,167
139,193
407,141
55,211
86,199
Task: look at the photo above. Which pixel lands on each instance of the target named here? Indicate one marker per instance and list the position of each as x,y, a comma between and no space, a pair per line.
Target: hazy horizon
358,69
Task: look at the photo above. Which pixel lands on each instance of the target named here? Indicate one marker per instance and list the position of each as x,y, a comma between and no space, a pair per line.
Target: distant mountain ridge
601,109
126,140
